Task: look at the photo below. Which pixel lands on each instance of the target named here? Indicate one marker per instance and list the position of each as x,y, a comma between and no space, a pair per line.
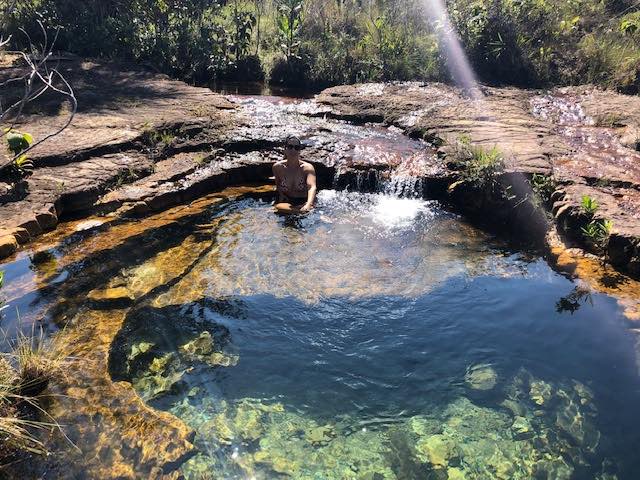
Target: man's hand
306,208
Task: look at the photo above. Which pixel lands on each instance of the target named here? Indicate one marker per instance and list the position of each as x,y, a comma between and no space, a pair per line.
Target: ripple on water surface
380,338
375,338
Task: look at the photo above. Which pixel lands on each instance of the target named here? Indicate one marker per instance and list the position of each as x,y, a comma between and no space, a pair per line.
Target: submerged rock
522,428
160,364
319,436
583,392
540,392
481,377
572,420
139,349
163,376
423,426
115,297
200,346
218,359
155,386
516,408
202,349
438,450
454,473
553,467
221,428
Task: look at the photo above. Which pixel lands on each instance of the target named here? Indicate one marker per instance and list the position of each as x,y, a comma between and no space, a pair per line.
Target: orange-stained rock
8,245
110,297
597,275
119,435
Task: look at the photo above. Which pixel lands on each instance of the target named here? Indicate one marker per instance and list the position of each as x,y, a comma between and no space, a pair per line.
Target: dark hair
292,137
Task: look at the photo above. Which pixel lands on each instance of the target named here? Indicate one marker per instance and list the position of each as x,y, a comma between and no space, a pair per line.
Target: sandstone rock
159,365
481,377
139,349
454,473
47,219
217,359
521,428
320,435
8,245
200,346
21,234
31,225
438,450
540,392
115,297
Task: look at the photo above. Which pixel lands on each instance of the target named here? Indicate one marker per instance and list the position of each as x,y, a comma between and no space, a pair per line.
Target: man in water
295,180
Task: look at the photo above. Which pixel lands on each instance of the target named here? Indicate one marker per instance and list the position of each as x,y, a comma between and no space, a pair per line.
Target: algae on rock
481,377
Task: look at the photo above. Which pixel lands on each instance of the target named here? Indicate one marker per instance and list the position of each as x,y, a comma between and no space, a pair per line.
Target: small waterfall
403,186
388,182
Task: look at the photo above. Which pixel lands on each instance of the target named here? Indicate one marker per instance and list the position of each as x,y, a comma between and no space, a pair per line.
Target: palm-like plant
289,24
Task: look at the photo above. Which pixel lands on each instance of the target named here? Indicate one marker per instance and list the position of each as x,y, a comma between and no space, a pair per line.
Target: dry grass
25,373
37,360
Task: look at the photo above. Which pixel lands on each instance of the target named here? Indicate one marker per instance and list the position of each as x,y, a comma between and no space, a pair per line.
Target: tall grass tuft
25,373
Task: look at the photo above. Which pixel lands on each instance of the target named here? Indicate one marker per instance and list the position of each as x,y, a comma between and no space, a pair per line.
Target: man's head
292,147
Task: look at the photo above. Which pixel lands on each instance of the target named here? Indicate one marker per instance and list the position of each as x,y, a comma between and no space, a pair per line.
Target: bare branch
74,103
39,79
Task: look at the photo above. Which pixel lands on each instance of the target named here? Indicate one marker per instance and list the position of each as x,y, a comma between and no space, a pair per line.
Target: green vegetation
158,139
25,373
543,187
589,205
596,232
315,43
479,166
18,142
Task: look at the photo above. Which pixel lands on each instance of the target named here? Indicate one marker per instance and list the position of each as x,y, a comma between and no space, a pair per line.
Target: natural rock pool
376,338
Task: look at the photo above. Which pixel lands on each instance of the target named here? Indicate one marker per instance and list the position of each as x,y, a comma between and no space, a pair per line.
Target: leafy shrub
18,142
479,166
589,205
543,186
323,42
597,230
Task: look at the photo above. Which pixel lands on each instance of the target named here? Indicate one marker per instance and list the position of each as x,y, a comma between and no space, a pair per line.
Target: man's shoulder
279,164
307,167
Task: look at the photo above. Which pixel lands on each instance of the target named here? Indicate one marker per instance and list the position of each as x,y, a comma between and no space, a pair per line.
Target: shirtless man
295,180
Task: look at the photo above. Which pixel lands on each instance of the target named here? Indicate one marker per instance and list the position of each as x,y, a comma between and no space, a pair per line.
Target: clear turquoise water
382,338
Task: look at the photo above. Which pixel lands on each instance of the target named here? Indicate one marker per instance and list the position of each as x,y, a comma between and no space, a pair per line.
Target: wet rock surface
584,137
120,435
463,440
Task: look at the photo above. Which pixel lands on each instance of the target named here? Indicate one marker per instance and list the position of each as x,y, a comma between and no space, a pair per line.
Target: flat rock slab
117,103
121,110
442,114
142,142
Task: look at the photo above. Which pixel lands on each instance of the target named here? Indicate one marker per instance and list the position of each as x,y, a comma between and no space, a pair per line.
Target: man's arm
275,169
311,189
